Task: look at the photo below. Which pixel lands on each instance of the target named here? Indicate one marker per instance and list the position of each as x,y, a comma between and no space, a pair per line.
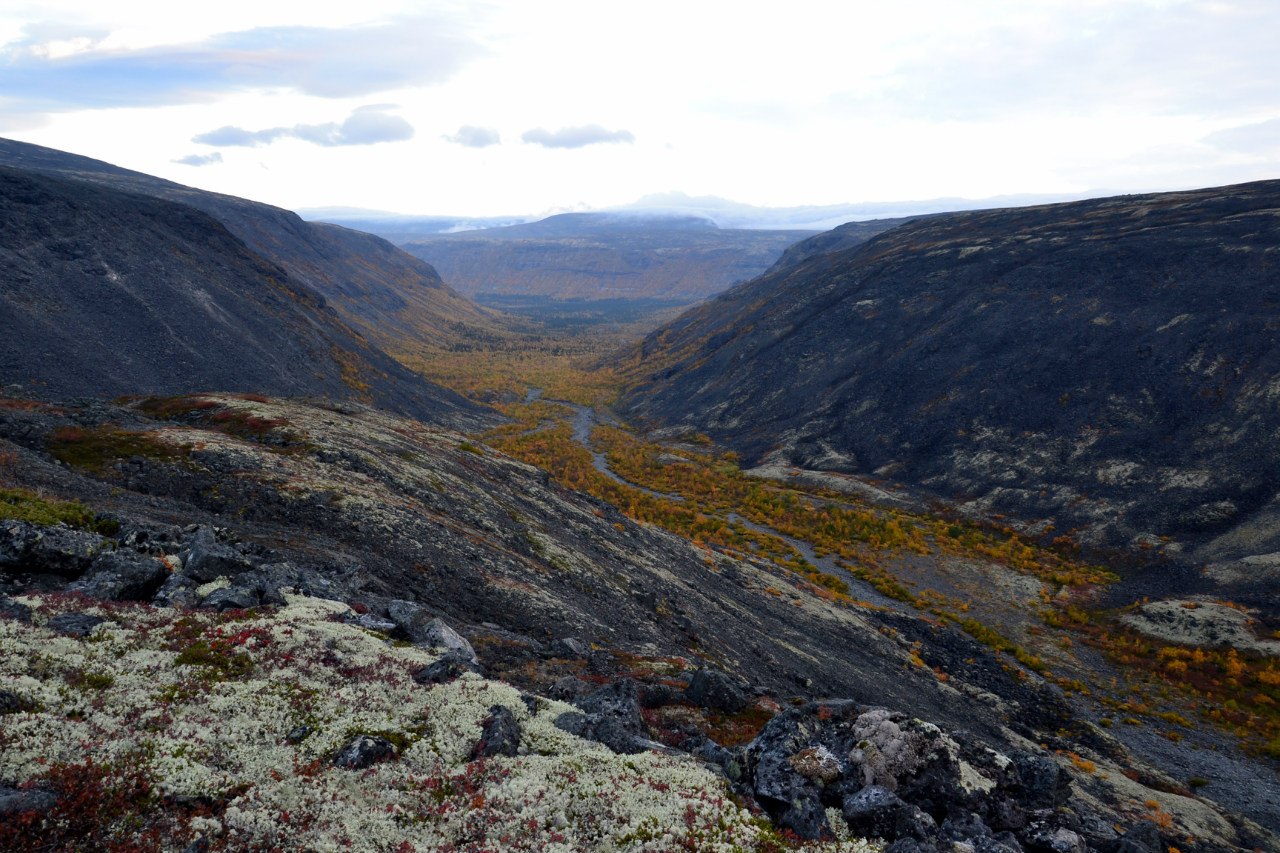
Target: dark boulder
612,717
10,609
363,751
122,576
75,624
47,550
448,667
207,559
12,703
500,734
15,800
1143,837
1044,784
710,688
231,598
872,812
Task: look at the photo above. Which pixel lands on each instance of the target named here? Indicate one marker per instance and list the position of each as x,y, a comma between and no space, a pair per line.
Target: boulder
177,591
12,703
448,667
122,576
54,550
499,734
1142,837
10,609
414,623
231,598
873,812
710,688
1044,784
206,559
363,751
570,647
16,801
75,624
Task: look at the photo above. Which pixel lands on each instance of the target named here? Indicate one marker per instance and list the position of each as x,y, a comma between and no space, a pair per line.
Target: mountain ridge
1062,363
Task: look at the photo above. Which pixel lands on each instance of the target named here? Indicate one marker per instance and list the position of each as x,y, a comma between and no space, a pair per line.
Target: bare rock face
1107,365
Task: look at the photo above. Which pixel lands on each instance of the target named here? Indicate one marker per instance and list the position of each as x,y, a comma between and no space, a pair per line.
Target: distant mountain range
603,256
107,290
1110,366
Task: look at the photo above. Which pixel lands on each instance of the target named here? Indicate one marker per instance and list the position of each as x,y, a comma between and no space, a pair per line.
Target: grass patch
95,449
23,505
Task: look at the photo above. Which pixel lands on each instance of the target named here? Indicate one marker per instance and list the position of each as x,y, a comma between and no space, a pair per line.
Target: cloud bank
576,137
366,126
327,63
474,137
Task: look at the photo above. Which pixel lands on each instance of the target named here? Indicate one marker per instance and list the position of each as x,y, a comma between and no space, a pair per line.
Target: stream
584,420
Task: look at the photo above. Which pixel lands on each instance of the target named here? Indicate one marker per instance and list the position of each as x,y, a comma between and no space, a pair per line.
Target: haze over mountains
1109,366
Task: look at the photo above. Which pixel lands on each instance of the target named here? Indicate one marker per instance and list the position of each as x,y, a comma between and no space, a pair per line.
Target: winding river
584,421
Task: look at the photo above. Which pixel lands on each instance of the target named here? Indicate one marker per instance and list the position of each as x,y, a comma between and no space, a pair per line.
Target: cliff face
107,293
1109,365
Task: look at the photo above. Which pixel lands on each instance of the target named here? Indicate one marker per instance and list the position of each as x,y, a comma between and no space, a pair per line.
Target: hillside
391,297
408,637
107,293
1108,367
603,256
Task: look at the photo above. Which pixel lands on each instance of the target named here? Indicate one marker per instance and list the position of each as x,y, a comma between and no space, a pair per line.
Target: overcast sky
535,106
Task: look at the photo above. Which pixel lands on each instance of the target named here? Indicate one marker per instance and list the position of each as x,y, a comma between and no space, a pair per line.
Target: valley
534,543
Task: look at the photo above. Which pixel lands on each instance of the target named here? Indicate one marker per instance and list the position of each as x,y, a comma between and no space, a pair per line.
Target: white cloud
474,137
368,125
199,159
576,137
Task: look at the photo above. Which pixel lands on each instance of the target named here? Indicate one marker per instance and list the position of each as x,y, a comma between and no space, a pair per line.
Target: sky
531,107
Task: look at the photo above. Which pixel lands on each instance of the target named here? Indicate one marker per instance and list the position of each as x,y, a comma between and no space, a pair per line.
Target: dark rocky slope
390,296
106,293
561,594
1109,365
603,256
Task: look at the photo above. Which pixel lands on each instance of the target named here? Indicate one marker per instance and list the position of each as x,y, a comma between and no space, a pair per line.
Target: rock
612,718
178,591
912,845
500,734
1044,784
47,550
658,695
12,703
298,734
363,751
915,822
75,624
713,689
445,669
230,598
415,623
207,559
1142,837
1003,843
10,609
122,576
369,621
873,812
964,826
441,636
730,762
570,689
15,801
570,647
17,540
1050,839
806,818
